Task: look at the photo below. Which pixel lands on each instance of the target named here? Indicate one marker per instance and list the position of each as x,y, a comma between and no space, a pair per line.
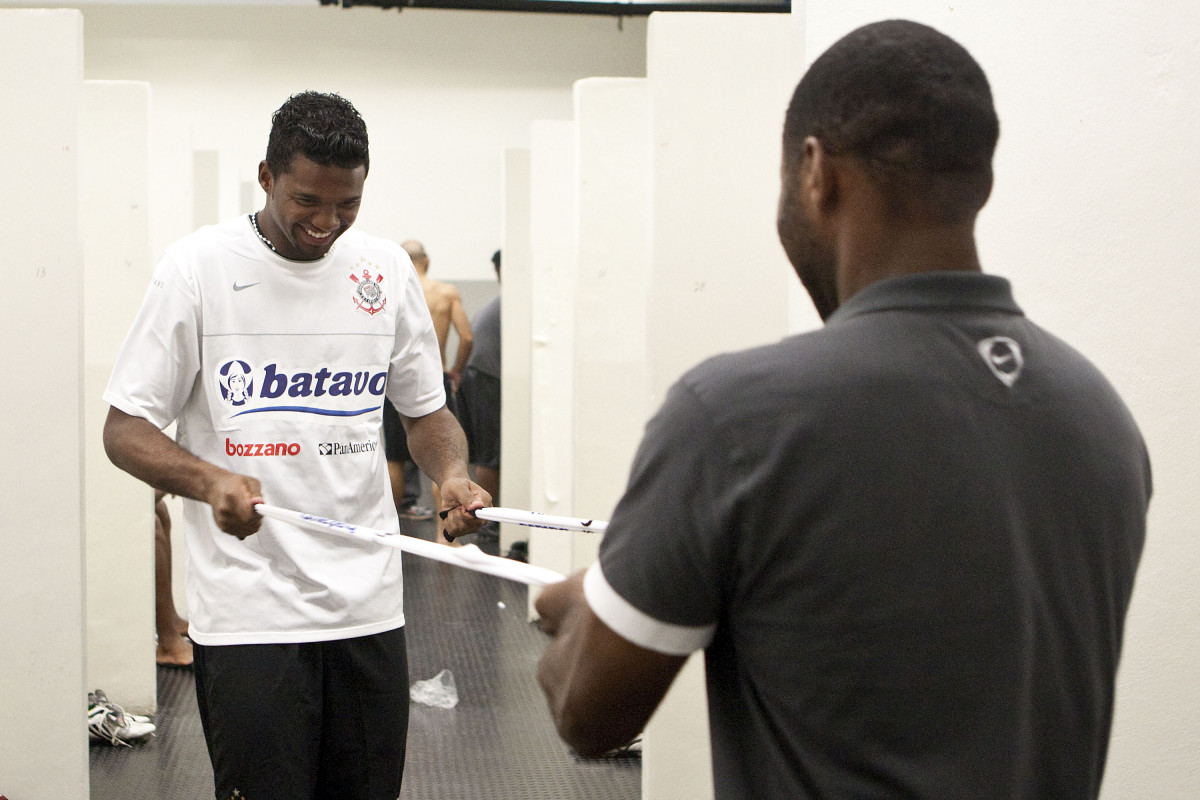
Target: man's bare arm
137,446
438,446
601,687
466,339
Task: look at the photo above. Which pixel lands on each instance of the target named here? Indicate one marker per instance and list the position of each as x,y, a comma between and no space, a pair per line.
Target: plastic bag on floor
438,691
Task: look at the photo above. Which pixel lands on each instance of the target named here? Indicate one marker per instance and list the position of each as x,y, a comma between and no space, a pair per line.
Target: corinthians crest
368,295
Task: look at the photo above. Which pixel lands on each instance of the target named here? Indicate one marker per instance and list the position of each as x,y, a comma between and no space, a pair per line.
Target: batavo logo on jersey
251,449
346,448
324,381
327,390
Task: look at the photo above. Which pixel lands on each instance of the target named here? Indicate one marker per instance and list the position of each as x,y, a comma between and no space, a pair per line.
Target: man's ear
819,179
265,179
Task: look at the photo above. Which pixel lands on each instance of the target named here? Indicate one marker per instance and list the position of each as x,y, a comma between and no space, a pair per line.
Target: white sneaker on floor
108,722
100,697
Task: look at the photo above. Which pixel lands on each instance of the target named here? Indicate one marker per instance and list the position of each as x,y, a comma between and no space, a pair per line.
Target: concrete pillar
113,184
552,294
612,118
516,352
43,739
720,84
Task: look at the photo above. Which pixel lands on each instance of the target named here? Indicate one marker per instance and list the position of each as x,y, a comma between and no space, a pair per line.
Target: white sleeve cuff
637,626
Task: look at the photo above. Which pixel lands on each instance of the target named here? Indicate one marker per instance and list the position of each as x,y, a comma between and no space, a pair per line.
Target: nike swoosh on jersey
237,287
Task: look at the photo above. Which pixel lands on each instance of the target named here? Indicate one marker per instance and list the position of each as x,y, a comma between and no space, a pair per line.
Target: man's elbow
586,734
112,436
588,721
120,435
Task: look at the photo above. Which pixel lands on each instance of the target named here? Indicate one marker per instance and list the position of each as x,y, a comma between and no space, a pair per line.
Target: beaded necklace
263,239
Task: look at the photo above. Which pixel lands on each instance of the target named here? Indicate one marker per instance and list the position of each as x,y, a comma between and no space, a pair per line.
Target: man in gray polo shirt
907,541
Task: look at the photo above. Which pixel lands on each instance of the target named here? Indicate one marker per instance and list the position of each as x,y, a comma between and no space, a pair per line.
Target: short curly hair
324,128
912,105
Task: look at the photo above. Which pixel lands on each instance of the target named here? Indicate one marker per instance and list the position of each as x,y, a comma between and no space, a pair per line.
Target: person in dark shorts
447,312
479,395
403,472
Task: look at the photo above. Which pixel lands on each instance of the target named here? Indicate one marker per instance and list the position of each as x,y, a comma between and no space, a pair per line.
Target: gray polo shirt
907,542
485,355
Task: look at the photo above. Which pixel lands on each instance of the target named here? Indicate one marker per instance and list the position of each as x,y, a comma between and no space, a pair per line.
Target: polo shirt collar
932,291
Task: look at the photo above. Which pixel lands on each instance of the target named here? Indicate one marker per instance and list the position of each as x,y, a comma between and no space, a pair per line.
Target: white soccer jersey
277,369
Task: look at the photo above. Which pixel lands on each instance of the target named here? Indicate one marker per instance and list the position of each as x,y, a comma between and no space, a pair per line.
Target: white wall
113,183
516,354
206,188
1094,219
720,85
612,118
719,88
43,744
552,295
590,246
444,94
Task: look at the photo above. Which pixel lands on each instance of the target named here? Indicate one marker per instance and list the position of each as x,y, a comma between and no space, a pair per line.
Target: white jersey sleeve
156,370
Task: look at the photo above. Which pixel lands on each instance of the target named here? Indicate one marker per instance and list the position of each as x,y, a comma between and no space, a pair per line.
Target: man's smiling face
309,206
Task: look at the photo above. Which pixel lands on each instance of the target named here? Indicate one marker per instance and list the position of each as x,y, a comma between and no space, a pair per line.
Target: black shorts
395,441
479,413
319,719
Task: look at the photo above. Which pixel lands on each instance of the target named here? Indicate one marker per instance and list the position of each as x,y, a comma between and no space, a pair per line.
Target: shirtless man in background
446,308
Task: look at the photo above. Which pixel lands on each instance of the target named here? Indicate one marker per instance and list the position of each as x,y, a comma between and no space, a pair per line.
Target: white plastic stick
534,519
468,556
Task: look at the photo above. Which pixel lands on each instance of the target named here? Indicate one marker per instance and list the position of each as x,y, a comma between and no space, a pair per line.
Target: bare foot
175,652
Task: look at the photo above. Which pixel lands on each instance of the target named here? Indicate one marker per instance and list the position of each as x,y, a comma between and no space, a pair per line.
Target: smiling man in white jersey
272,340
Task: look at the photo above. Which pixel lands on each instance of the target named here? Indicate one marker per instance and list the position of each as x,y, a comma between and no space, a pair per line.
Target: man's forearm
436,442
137,446
466,337
464,355
601,688
437,445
